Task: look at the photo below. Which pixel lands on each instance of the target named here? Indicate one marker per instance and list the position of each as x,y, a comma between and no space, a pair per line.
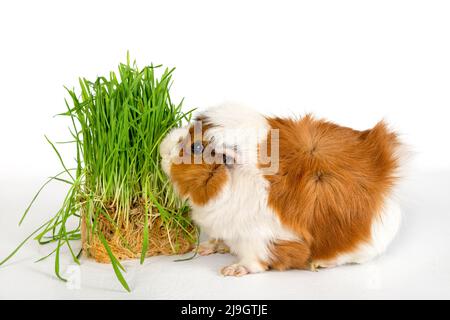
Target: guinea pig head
196,161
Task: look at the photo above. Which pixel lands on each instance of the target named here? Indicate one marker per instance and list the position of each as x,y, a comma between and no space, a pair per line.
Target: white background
353,62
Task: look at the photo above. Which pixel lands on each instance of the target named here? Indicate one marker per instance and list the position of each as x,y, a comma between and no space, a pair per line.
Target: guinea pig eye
197,147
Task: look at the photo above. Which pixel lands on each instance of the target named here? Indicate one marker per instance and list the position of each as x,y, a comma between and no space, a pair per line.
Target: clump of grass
122,201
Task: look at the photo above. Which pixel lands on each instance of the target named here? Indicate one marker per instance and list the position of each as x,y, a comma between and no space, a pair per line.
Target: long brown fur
330,185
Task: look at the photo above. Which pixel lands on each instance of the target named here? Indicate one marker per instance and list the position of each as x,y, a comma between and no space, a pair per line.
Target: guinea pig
286,193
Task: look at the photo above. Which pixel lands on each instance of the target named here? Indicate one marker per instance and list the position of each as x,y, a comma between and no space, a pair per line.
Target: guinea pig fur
297,193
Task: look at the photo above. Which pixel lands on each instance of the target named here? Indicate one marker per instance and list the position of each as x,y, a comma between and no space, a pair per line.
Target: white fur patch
240,216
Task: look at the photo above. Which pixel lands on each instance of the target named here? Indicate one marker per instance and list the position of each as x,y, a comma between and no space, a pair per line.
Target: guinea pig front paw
205,249
212,246
236,270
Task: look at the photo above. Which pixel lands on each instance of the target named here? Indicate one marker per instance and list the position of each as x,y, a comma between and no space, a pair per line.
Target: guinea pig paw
212,246
205,250
235,270
314,267
222,248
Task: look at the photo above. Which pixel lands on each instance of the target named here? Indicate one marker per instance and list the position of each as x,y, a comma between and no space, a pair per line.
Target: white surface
353,62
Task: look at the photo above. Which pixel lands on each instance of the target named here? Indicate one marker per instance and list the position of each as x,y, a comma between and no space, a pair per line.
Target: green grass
116,124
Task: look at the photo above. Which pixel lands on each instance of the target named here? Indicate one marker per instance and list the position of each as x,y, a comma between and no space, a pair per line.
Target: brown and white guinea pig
284,193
